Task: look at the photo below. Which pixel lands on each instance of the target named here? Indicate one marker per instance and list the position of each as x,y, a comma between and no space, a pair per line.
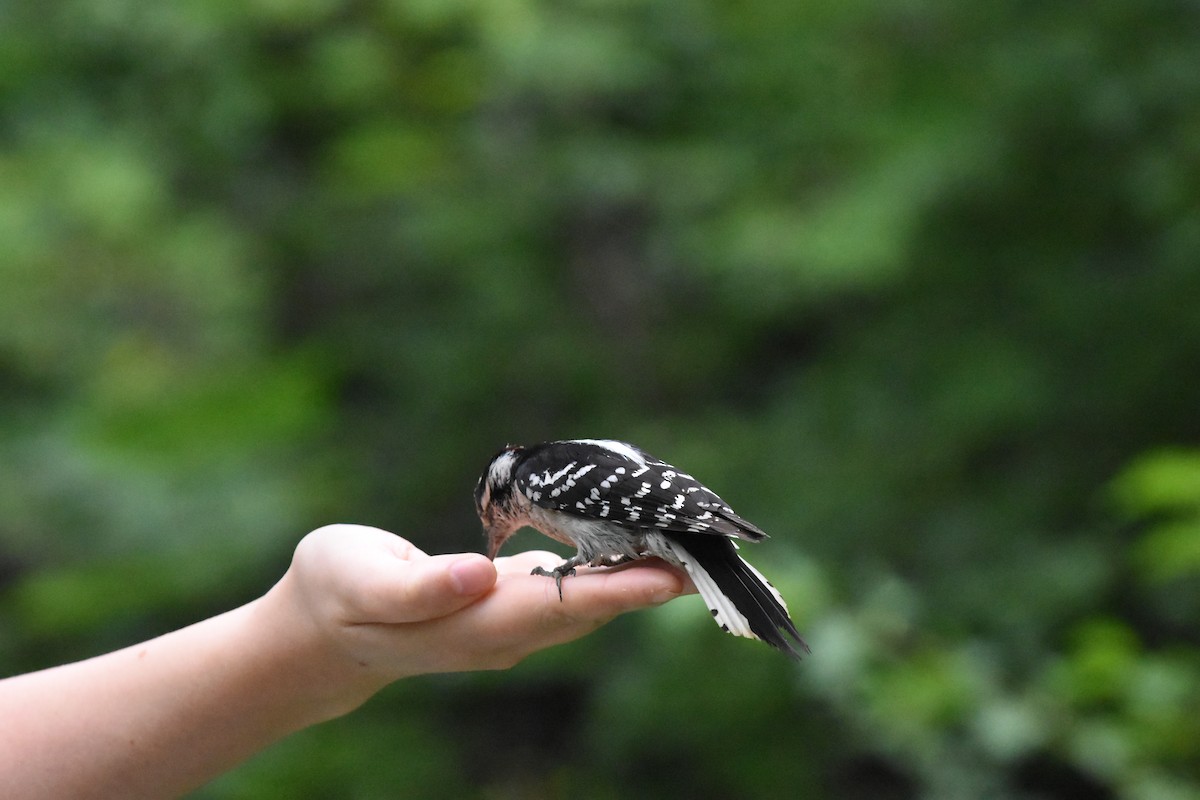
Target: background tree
912,285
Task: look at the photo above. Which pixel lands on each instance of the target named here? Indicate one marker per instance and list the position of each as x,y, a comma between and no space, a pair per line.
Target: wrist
309,656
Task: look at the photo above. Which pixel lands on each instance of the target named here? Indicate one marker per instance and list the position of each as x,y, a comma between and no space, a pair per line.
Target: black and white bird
616,503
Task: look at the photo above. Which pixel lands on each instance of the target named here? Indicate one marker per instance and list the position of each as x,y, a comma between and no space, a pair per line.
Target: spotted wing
620,484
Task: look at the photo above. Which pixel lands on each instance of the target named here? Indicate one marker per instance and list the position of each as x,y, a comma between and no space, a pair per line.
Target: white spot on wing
583,471
558,475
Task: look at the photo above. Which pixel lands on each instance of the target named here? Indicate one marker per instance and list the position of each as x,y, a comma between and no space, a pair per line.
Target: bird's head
495,499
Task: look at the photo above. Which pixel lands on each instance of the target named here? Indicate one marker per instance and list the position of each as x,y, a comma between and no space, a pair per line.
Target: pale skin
358,609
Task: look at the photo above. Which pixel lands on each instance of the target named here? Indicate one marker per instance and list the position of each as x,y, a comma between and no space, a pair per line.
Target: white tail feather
723,610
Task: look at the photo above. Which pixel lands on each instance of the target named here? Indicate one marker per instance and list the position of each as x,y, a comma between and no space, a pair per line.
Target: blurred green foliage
913,285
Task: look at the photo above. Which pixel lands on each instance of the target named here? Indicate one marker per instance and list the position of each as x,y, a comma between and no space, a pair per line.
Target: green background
913,285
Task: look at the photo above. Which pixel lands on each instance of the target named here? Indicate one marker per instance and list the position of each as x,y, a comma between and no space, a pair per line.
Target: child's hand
391,611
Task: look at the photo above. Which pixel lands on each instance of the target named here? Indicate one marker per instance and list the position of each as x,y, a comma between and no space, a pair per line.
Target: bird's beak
497,534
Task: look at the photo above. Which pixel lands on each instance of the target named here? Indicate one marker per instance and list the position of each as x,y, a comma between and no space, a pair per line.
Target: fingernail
472,575
662,595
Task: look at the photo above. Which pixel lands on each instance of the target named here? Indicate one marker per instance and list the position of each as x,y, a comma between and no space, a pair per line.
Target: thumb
436,586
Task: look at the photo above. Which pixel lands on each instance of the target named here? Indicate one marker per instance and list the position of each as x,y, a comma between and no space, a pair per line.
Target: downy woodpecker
616,503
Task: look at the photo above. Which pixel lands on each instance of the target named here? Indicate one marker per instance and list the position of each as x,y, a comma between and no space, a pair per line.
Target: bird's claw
558,573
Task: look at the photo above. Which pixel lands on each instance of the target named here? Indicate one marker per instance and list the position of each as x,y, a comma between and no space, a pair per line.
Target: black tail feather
750,594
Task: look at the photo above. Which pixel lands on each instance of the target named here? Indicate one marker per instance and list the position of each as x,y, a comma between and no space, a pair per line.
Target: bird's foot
558,573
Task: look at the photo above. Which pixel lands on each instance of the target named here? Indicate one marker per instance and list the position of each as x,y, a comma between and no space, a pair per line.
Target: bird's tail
741,600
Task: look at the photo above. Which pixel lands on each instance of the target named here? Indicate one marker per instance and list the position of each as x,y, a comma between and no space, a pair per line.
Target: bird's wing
630,489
